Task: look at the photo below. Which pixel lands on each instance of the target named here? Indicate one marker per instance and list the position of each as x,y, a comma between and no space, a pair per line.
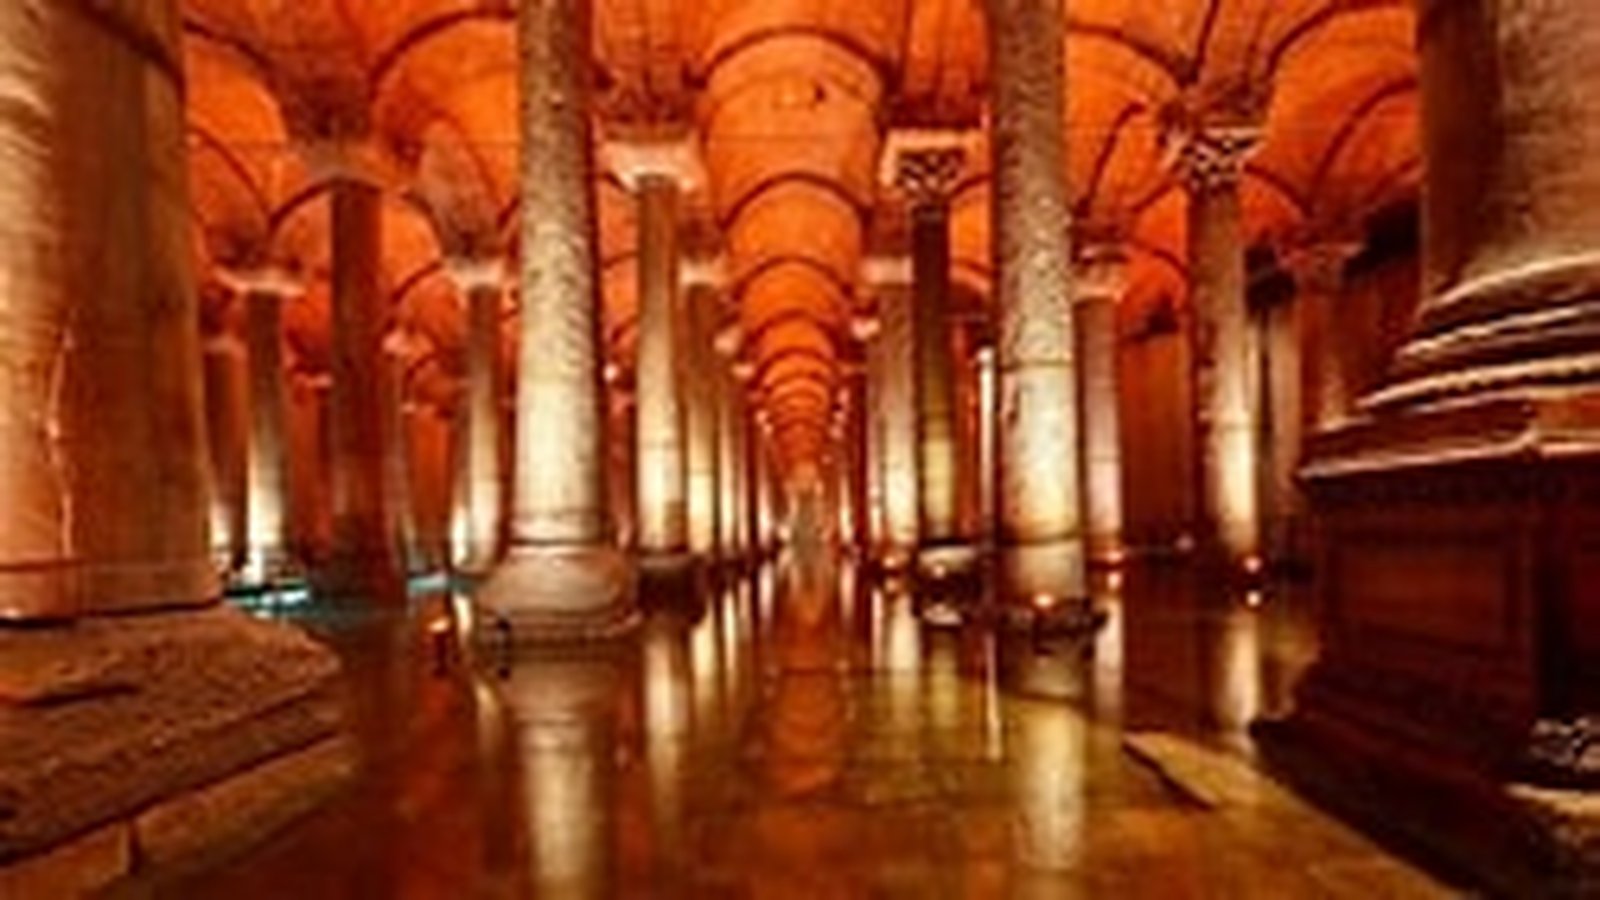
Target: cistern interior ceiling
790,103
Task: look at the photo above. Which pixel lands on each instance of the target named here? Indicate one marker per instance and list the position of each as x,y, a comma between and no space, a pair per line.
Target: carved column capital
1318,267
265,280
1207,158
477,273
671,157
926,165
1101,271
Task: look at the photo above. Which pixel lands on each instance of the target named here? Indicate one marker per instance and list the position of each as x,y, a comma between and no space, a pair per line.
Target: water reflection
797,732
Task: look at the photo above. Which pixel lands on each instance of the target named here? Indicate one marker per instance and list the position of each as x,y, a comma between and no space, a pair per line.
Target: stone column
702,377
1326,362
732,472
399,350
657,171
126,705
481,284
926,171
1455,513
364,553
225,405
1210,161
268,502
1040,497
894,401
562,578
1102,279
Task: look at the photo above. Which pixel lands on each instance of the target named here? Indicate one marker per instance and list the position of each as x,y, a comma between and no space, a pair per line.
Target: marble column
1040,495
562,578
399,350
1102,279
268,503
481,284
1210,162
657,173
732,473
927,173
364,556
702,390
894,403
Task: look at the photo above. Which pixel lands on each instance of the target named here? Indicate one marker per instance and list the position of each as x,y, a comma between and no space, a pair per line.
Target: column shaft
1226,354
103,476
360,425
1096,325
268,500
1039,491
226,402
938,475
701,372
481,453
897,405
659,461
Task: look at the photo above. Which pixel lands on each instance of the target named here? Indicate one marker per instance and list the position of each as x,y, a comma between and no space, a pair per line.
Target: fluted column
657,171
364,552
481,284
1040,505
562,579
1101,281
894,403
1210,161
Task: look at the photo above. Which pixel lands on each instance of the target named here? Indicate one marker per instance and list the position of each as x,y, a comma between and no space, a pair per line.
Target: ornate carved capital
925,164
1209,158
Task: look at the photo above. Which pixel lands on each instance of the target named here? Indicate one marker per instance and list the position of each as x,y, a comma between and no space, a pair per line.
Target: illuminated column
733,479
562,579
1102,273
1326,374
267,500
1210,162
103,476
657,172
702,377
399,349
1040,506
225,405
926,169
894,402
364,553
481,284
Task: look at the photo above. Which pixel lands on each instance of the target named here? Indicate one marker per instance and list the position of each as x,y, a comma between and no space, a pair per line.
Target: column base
1455,568
674,579
947,561
561,595
140,740
72,588
1047,574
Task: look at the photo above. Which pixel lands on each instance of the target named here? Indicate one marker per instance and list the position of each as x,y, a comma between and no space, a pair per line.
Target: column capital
1207,142
475,273
222,342
886,271
1318,266
265,280
675,157
1101,272
404,343
925,164
703,272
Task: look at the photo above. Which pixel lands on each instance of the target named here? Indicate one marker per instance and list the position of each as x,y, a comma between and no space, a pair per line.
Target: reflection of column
927,175
481,284
1210,161
565,712
895,404
562,578
1039,491
1101,274
1327,374
363,536
225,405
267,502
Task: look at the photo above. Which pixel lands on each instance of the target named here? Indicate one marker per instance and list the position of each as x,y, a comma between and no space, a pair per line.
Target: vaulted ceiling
790,100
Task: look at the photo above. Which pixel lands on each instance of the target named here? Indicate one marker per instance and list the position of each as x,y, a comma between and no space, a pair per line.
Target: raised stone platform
133,741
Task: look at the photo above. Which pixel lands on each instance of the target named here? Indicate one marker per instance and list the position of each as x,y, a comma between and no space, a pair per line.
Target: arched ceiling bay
790,101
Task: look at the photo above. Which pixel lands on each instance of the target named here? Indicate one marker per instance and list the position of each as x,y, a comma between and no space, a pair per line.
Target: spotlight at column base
560,595
1054,569
945,561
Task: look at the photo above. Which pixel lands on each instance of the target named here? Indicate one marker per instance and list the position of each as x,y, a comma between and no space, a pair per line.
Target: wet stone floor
798,733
